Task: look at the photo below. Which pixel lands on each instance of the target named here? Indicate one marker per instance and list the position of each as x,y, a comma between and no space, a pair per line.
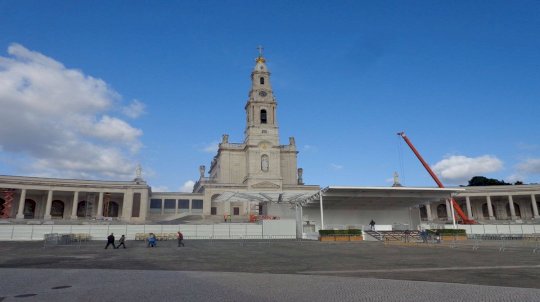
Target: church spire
261,105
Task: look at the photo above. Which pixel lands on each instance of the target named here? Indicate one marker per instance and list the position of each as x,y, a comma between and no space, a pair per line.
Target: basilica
253,180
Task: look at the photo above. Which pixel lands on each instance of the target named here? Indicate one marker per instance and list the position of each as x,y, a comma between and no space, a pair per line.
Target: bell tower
261,106
263,153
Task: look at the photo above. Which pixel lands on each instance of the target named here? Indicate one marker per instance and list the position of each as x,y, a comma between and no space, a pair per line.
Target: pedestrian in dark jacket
110,240
180,237
121,241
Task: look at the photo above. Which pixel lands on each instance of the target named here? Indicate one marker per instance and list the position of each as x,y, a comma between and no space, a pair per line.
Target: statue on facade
138,173
265,163
202,169
225,139
396,180
291,141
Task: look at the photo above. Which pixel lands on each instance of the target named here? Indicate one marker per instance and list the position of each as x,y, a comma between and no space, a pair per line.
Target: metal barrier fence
56,239
480,242
276,228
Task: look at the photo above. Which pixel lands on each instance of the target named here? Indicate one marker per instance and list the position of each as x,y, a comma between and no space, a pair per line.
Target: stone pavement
354,270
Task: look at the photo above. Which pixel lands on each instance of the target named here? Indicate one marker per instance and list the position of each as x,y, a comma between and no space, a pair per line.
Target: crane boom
458,209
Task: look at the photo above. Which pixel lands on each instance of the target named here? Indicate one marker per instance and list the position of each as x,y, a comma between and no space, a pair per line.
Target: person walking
424,235
152,240
121,241
372,225
180,237
110,240
438,236
407,234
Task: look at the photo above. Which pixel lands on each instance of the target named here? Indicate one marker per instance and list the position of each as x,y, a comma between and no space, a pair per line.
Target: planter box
453,237
341,238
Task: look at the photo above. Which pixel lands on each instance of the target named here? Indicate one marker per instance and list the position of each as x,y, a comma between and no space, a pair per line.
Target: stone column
162,206
127,205
469,209
75,204
190,205
449,210
144,205
490,208
99,213
48,205
176,206
429,214
20,210
512,208
534,206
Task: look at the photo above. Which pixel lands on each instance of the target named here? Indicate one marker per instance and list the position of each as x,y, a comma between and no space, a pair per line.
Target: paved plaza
267,271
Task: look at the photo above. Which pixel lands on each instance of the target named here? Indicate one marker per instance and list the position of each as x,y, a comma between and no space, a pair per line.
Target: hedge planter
446,237
450,234
340,235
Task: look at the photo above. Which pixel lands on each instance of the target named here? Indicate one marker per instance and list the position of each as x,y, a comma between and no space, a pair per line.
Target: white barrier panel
382,227
285,228
282,227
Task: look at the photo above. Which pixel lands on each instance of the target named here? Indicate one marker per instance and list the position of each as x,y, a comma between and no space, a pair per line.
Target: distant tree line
484,181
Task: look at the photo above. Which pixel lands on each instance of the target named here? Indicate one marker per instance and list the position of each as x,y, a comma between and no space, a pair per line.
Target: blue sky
92,88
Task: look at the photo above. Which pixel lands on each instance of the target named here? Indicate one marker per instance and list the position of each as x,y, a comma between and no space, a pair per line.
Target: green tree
484,181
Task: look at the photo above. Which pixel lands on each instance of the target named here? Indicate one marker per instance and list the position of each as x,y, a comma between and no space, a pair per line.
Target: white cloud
135,109
187,186
211,148
529,166
336,166
60,120
458,168
160,189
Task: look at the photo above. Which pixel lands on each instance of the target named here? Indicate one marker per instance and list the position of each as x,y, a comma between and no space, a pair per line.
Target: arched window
84,209
112,210
1,205
516,208
263,116
441,211
57,209
423,213
261,80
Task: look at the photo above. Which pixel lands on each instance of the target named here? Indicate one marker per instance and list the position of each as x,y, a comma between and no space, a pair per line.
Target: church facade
259,178
259,165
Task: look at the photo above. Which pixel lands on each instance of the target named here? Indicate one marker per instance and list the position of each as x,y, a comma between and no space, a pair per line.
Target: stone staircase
394,235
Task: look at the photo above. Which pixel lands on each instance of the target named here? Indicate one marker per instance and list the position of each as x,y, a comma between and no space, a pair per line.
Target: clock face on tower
262,93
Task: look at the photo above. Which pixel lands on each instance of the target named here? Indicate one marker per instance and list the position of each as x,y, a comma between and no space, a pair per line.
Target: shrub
340,232
448,231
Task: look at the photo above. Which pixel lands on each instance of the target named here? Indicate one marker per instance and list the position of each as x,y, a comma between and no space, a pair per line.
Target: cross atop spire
260,58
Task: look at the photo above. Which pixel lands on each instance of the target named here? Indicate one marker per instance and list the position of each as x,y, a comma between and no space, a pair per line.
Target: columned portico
534,207
99,213
449,210
512,208
429,214
490,208
58,199
469,209
20,214
47,215
74,205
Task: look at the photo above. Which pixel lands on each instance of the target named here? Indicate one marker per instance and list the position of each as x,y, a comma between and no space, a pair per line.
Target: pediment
265,185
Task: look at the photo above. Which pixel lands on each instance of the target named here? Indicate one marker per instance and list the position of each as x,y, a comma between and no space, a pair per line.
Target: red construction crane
458,209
